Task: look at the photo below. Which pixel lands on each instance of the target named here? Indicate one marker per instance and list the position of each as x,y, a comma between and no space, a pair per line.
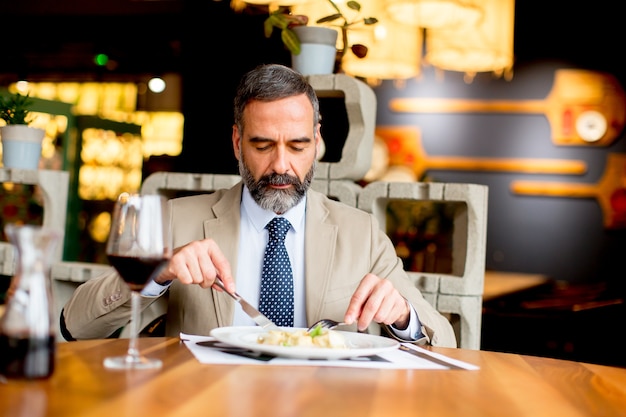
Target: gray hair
270,82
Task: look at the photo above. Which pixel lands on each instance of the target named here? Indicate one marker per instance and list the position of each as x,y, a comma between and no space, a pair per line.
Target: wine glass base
131,362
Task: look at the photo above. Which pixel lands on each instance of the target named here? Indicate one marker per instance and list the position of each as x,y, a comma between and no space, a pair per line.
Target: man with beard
344,266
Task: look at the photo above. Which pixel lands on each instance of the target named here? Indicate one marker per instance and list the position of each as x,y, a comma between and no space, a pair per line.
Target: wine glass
139,246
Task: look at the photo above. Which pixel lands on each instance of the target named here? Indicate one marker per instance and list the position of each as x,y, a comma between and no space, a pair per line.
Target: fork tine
325,324
330,324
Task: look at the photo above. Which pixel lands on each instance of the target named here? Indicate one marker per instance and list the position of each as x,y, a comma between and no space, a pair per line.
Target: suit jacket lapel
319,249
224,228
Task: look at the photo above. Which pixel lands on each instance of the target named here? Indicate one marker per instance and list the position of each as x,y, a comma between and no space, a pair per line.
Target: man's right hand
199,262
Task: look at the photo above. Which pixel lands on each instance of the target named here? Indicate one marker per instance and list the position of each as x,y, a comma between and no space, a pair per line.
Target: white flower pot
21,146
318,50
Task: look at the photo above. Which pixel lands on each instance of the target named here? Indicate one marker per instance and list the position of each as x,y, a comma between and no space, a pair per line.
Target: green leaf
370,20
354,5
329,18
279,20
268,28
14,109
291,41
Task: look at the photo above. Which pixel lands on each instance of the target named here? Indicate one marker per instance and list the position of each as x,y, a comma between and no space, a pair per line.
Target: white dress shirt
253,238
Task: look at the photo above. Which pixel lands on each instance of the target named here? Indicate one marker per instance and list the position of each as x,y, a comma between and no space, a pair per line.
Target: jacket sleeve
99,307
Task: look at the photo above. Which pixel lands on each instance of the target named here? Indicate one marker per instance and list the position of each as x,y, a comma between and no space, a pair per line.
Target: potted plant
21,143
292,36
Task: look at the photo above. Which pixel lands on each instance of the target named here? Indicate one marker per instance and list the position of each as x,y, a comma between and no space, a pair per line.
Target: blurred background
557,201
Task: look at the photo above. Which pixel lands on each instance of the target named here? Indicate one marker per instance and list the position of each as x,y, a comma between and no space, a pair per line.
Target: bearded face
276,200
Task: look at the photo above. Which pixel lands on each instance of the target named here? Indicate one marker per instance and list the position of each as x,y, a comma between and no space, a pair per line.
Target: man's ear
236,140
320,147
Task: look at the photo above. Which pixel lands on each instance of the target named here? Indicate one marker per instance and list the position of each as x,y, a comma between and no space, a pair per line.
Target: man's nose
280,164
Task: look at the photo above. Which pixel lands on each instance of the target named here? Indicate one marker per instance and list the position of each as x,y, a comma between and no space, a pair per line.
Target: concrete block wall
180,181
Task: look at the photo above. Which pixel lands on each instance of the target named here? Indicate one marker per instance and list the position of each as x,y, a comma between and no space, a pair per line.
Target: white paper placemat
210,351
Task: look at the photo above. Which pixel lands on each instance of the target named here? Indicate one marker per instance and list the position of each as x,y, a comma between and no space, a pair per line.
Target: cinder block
470,239
78,272
7,259
469,309
360,102
54,190
426,282
470,227
345,191
224,181
183,181
373,199
431,297
19,176
424,191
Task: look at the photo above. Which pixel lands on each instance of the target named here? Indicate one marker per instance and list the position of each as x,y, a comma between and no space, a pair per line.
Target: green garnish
317,331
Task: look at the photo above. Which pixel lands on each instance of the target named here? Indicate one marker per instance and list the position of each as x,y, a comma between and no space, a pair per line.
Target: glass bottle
27,328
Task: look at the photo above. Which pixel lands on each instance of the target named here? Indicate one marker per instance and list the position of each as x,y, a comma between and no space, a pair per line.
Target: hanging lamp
394,52
433,14
486,46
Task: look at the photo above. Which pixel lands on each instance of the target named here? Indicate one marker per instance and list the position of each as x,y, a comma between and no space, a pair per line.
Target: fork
325,324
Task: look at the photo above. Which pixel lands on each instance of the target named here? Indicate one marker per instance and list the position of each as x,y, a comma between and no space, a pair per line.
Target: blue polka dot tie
276,300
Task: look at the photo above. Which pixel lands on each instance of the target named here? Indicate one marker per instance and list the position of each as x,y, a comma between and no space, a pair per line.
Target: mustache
278,179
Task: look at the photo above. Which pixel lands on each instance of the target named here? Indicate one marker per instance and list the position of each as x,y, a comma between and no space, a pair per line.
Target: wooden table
506,384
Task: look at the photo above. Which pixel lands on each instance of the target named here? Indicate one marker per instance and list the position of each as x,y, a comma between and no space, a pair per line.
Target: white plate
359,344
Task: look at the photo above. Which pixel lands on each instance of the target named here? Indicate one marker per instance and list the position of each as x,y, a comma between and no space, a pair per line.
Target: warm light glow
156,85
22,87
111,164
485,47
162,132
433,14
394,52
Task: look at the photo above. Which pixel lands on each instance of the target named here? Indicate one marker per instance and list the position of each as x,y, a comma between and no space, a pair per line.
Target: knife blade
259,318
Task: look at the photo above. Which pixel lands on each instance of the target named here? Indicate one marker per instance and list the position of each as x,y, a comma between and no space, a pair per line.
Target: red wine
27,357
137,271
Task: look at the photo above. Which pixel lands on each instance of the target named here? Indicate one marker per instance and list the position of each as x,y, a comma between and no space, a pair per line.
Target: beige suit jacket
342,244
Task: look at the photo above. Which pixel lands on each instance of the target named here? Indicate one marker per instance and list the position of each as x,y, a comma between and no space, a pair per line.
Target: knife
254,314
430,358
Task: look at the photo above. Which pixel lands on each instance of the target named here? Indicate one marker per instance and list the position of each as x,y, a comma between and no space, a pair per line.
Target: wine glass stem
133,351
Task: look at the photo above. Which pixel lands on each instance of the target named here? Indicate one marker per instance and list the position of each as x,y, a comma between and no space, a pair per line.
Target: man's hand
199,262
377,300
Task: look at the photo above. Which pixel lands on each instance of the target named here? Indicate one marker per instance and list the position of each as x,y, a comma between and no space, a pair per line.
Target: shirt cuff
154,289
412,331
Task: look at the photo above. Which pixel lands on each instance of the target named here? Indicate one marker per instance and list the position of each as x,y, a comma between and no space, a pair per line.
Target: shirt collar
259,217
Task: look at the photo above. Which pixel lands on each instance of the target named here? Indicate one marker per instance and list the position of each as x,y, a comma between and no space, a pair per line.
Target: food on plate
318,337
